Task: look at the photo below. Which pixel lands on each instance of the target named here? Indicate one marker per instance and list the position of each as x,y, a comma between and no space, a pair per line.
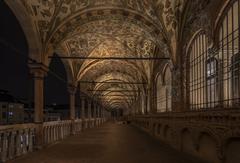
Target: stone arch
154,126
69,65
187,141
232,148
164,90
159,126
208,147
219,19
167,133
32,36
193,37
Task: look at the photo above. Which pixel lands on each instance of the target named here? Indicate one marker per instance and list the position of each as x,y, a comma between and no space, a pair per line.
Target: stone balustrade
55,131
17,140
195,132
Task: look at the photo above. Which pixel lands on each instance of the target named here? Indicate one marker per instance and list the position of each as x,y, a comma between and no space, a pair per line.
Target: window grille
214,75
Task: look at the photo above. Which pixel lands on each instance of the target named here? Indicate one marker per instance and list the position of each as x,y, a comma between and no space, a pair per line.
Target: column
89,109
102,113
95,114
177,100
39,71
83,108
72,91
149,101
95,110
83,113
89,112
98,111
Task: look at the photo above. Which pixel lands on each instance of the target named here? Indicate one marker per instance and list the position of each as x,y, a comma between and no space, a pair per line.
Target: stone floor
111,143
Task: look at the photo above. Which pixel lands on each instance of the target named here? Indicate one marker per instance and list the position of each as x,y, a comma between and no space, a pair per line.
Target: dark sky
14,73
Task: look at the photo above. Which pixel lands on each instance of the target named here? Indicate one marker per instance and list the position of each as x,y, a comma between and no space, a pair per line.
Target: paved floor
111,143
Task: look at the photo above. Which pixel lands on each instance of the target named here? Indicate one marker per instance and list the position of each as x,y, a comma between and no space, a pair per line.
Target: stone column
95,114
88,114
83,113
149,109
95,110
72,91
89,109
100,114
98,111
83,108
39,71
177,90
151,100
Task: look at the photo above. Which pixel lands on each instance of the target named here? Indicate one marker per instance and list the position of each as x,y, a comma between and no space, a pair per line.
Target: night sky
14,71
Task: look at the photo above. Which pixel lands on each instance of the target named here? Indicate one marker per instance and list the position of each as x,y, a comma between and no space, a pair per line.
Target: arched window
214,75
228,53
143,103
198,71
164,91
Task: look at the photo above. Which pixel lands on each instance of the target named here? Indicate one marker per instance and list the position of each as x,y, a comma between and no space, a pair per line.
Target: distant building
50,114
11,110
28,112
61,110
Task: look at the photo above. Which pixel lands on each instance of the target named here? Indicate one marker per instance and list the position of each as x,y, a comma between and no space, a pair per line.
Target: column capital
39,70
72,89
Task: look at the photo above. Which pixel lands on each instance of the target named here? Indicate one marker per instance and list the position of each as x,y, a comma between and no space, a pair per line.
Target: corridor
70,67
110,143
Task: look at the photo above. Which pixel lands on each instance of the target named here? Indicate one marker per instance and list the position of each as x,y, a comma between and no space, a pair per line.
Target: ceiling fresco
107,28
47,15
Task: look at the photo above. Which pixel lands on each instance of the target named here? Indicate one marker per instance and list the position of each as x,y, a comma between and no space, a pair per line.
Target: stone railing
17,140
215,131
55,131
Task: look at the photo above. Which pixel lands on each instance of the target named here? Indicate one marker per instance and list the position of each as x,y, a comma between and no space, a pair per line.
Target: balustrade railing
208,116
17,140
55,131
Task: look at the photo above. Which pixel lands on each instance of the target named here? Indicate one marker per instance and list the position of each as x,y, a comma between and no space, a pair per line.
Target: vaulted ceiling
104,28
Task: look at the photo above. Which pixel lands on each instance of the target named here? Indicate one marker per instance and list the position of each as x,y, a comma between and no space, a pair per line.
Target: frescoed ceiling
106,28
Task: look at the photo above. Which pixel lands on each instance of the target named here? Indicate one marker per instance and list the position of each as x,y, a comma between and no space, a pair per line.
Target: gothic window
212,82
199,71
236,79
164,91
229,54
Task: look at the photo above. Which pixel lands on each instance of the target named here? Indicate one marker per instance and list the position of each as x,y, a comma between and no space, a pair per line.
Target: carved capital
38,70
72,89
